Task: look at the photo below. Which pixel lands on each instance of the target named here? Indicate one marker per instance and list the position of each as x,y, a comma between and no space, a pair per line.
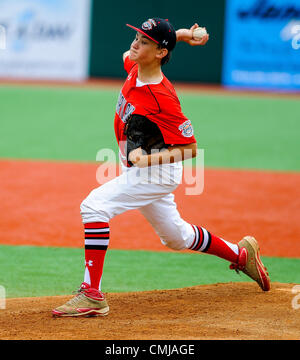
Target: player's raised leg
178,234
244,256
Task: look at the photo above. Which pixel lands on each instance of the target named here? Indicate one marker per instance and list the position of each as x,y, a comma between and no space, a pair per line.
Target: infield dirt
219,311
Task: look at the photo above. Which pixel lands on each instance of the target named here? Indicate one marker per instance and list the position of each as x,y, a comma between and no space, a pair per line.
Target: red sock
96,243
211,244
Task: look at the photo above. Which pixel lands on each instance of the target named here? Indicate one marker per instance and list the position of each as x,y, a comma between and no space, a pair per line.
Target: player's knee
89,204
83,207
93,212
85,210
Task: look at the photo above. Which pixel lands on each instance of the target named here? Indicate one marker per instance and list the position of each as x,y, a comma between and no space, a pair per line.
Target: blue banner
262,44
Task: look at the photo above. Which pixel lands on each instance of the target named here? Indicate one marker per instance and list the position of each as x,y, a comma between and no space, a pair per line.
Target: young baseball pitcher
154,137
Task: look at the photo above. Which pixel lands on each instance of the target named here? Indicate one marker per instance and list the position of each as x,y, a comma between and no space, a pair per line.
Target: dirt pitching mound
220,311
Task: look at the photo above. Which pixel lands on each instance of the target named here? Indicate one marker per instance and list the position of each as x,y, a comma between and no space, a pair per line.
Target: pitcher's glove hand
143,133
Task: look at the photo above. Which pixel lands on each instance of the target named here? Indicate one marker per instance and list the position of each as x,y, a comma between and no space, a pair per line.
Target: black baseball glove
141,132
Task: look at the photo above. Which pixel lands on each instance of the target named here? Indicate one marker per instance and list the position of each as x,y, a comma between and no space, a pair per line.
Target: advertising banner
44,39
262,44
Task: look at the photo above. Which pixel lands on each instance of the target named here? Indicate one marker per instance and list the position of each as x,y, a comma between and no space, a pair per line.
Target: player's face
144,51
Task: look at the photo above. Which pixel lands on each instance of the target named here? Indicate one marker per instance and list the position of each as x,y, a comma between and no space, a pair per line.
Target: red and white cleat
249,262
87,302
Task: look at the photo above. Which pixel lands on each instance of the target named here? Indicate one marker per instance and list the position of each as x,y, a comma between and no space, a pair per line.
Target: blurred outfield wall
111,37
253,43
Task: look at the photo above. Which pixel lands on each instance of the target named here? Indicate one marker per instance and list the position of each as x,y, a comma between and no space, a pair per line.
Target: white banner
45,39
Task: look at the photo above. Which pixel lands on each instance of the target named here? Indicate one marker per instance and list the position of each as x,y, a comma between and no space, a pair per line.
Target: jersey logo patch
124,109
186,129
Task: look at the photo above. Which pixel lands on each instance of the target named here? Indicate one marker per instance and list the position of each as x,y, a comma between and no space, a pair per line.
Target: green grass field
64,124
46,271
73,124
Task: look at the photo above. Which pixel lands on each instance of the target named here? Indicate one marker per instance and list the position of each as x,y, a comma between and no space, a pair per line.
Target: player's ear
161,53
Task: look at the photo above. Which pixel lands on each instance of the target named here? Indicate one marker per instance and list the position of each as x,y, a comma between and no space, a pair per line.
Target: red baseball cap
158,30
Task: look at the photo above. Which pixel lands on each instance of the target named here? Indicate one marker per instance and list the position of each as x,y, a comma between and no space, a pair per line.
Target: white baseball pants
134,189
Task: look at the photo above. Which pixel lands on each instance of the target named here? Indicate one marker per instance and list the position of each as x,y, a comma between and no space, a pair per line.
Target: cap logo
165,42
148,25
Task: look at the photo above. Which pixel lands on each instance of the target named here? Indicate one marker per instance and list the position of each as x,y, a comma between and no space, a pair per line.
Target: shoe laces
242,261
240,267
93,294
79,296
236,267
78,292
76,299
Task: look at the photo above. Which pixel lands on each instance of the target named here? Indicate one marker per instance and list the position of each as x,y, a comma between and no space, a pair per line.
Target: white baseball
199,32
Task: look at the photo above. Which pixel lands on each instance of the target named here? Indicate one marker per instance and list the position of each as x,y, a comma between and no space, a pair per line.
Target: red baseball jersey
158,102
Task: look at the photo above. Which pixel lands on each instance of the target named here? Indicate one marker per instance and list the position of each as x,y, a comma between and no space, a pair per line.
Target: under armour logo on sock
89,263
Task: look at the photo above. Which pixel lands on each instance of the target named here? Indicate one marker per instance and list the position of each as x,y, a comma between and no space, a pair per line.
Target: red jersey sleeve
128,64
175,127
